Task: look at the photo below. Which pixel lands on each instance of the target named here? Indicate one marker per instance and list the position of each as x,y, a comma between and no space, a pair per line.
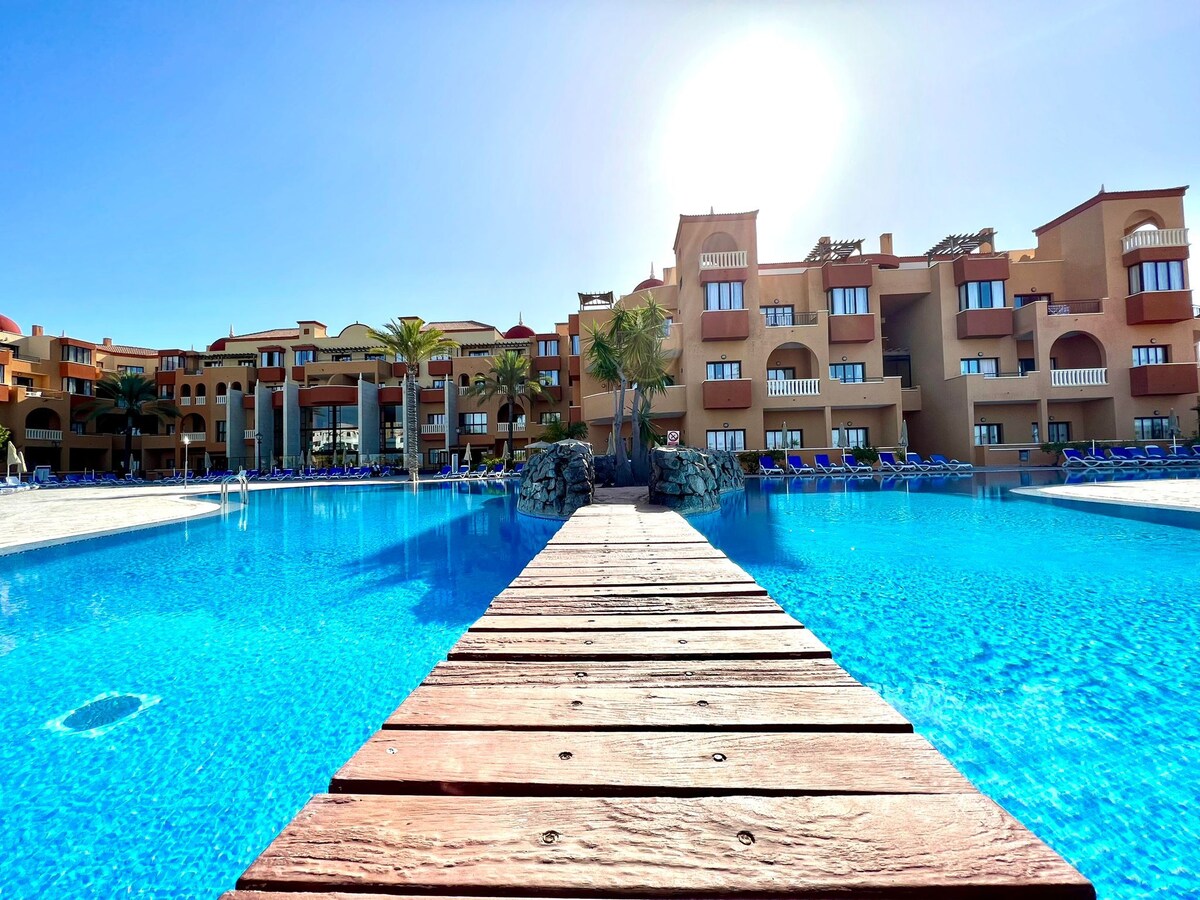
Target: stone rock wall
606,471
727,469
558,481
682,479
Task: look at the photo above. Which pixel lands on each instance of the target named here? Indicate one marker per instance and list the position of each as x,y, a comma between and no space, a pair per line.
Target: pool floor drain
102,714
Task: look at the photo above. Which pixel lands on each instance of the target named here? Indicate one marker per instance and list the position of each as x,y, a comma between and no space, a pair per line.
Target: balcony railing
793,387
1078,377
185,401
502,428
438,428
201,401
775,319
728,259
248,434
1154,237
194,437
222,399
43,434
1074,307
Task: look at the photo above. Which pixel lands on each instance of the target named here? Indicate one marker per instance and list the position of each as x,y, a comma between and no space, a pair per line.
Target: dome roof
648,283
519,331
7,324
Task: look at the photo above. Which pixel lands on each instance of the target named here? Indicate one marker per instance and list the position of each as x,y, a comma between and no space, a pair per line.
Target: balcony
794,387
1165,379
436,428
1158,307
852,329
440,366
222,399
729,259
1153,245
194,437
248,434
910,398
867,393
724,325
502,428
774,318
1078,377
984,323
728,393
201,401
43,434
185,401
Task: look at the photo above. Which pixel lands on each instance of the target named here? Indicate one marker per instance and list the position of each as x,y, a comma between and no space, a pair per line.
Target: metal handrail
243,488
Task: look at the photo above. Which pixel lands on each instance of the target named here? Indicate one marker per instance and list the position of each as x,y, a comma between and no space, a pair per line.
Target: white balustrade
727,259
185,401
793,387
502,427
222,399
43,434
194,437
434,429
248,434
1078,377
1155,237
201,401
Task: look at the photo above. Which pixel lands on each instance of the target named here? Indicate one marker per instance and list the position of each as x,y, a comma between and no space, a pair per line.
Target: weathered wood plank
572,708
620,603
643,674
539,763
769,643
622,577
909,845
617,622
533,594
674,553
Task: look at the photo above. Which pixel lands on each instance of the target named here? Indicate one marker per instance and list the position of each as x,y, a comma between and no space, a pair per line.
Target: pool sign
672,438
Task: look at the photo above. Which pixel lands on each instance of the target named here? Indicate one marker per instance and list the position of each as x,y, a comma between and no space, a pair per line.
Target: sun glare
758,122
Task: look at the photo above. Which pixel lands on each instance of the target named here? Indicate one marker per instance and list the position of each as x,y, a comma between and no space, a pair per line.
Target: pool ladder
242,487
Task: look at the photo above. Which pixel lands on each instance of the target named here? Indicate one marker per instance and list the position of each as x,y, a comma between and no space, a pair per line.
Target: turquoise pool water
1050,653
260,651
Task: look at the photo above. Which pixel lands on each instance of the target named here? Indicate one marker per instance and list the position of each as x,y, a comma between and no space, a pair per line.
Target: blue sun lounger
797,466
768,466
825,465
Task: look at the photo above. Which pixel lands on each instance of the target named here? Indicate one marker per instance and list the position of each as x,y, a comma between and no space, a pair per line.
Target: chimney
885,244
107,342
37,331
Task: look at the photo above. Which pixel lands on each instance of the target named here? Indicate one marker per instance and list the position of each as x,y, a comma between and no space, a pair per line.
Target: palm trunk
412,455
512,405
128,444
641,473
624,474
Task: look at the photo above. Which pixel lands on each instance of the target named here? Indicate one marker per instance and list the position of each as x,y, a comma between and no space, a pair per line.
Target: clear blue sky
168,169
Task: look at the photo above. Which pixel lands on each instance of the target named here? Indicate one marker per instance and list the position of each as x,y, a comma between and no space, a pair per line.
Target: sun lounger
1154,455
1183,456
1073,459
921,465
952,465
855,467
826,466
480,471
445,473
517,469
768,466
1121,457
797,466
889,463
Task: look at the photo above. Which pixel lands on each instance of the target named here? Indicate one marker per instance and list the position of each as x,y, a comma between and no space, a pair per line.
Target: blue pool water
261,650
1050,653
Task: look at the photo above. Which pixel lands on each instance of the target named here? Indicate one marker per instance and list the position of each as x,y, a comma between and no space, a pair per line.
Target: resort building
965,349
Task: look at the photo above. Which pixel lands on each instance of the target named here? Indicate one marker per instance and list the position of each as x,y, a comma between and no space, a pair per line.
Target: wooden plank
507,604
643,674
746,589
586,563
638,763
733,643
620,577
617,622
667,552
919,845
682,708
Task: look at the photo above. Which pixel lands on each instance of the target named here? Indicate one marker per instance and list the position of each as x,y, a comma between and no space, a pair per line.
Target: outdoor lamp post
258,451
186,441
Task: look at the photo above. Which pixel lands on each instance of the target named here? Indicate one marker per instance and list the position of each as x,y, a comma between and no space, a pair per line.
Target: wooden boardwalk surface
635,717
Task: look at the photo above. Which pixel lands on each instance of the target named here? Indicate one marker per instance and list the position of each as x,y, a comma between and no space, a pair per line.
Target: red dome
648,283
519,331
7,324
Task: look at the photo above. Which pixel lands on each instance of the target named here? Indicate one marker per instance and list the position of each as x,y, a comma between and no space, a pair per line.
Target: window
979,365
854,437
247,363
80,386
1058,432
548,378
1,374
1152,428
477,353
375,357
78,428
732,439
439,384
574,345
775,439
779,316
222,431
547,348
71,353
848,373
1020,300
270,358
1156,276
303,357
22,381
473,423
547,417
786,374
666,326
848,301
170,363
166,392
723,295
1026,365
988,434
435,418
342,357
132,370
1149,356
723,371
437,357
981,295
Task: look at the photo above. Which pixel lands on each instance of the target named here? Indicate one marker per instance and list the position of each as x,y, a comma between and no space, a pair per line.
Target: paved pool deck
1176,495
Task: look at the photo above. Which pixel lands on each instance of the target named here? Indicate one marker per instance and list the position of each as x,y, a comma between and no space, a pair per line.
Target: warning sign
672,438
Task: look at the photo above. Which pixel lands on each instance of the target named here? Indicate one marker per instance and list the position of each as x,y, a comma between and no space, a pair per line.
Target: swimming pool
260,650
1049,653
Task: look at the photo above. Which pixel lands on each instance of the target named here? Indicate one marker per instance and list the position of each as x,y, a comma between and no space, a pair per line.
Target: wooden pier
634,717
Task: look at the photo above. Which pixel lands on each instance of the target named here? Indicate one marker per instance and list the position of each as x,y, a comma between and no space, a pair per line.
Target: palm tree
412,344
558,430
132,395
626,354
509,376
